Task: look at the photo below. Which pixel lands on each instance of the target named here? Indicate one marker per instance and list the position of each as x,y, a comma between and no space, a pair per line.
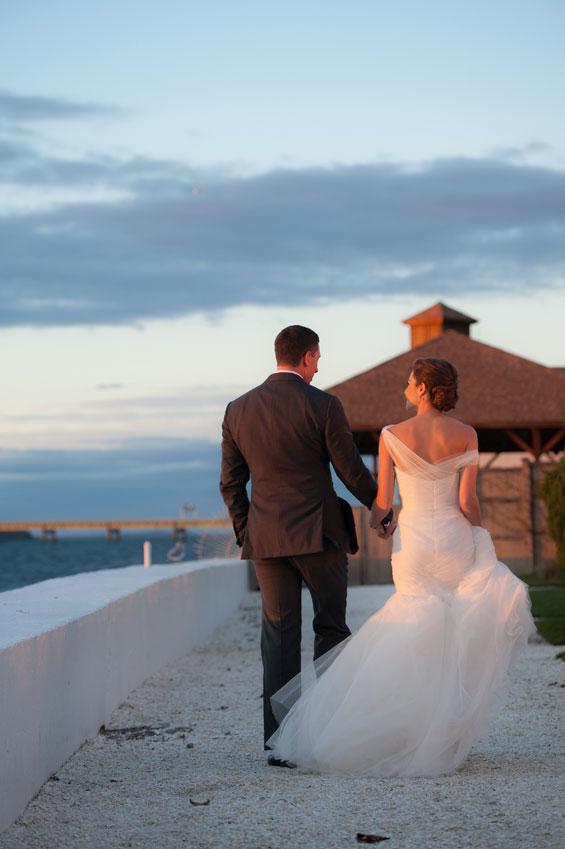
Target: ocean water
28,561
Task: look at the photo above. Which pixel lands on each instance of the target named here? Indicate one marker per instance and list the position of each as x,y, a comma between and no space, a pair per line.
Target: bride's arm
385,491
468,498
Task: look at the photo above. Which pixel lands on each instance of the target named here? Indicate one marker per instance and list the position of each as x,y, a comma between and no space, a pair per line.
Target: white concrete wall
71,649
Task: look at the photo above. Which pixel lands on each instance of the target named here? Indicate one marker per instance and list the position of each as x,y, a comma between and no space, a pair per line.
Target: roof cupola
434,321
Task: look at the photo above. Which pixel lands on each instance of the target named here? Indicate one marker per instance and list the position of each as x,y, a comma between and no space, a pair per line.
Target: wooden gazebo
515,404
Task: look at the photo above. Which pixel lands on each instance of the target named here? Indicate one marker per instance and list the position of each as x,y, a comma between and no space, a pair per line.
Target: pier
112,527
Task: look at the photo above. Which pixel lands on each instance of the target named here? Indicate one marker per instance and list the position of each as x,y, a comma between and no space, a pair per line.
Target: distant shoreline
9,536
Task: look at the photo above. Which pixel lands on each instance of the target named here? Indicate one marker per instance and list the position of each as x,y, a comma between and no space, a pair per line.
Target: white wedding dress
412,690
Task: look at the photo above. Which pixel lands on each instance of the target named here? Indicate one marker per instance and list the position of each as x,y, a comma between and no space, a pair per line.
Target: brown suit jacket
283,435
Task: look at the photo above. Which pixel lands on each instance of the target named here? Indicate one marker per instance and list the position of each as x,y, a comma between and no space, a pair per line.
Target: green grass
552,630
538,579
548,601
548,608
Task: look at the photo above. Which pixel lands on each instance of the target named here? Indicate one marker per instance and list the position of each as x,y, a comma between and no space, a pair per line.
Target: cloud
145,478
178,240
182,403
110,419
523,152
17,108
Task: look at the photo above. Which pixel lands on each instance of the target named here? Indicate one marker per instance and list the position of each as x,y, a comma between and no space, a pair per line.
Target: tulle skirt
412,690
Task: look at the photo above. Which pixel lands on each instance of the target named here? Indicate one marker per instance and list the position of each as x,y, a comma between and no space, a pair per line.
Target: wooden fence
512,513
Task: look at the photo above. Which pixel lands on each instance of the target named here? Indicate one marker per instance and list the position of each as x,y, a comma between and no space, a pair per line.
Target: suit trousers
280,580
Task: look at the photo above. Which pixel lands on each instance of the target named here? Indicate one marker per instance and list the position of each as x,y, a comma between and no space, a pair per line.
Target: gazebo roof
439,313
496,389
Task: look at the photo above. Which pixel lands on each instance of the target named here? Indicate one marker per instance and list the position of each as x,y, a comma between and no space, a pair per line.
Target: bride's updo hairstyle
440,379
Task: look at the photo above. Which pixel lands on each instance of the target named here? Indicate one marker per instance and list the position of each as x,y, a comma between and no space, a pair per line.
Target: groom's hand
385,533
382,524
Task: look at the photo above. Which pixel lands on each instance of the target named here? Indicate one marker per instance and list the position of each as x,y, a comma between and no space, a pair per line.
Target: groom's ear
309,356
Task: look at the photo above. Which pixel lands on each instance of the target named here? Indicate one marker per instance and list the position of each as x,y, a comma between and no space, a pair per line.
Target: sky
179,181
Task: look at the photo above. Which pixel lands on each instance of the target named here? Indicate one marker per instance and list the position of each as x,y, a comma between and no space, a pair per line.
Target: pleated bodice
434,546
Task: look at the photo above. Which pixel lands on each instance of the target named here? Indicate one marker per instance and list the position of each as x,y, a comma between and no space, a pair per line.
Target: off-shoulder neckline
423,459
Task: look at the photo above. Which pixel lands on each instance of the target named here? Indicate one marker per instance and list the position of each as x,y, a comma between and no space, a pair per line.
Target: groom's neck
295,370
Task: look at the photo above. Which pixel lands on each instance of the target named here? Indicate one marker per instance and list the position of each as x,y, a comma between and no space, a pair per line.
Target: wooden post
536,517
48,535
364,546
536,442
376,435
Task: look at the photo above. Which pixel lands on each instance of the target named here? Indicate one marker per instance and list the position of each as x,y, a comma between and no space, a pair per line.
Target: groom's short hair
293,342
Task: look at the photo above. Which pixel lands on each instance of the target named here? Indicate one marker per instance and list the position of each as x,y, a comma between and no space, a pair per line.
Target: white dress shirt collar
288,371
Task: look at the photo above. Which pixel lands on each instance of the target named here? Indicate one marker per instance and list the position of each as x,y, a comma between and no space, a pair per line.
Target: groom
283,435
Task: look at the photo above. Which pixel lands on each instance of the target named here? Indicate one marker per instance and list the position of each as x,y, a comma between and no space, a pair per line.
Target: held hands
382,521
385,533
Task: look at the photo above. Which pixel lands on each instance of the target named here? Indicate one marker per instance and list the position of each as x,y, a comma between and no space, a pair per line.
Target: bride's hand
385,534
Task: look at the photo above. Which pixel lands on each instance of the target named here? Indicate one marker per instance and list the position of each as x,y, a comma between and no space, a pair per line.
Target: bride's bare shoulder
452,433
464,433
399,427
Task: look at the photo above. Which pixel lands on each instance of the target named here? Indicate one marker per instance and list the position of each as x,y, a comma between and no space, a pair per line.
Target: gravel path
198,738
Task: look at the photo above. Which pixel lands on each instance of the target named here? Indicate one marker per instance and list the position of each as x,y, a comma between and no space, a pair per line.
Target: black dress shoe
272,761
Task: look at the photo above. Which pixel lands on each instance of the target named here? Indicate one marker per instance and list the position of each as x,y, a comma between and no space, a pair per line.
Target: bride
412,690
